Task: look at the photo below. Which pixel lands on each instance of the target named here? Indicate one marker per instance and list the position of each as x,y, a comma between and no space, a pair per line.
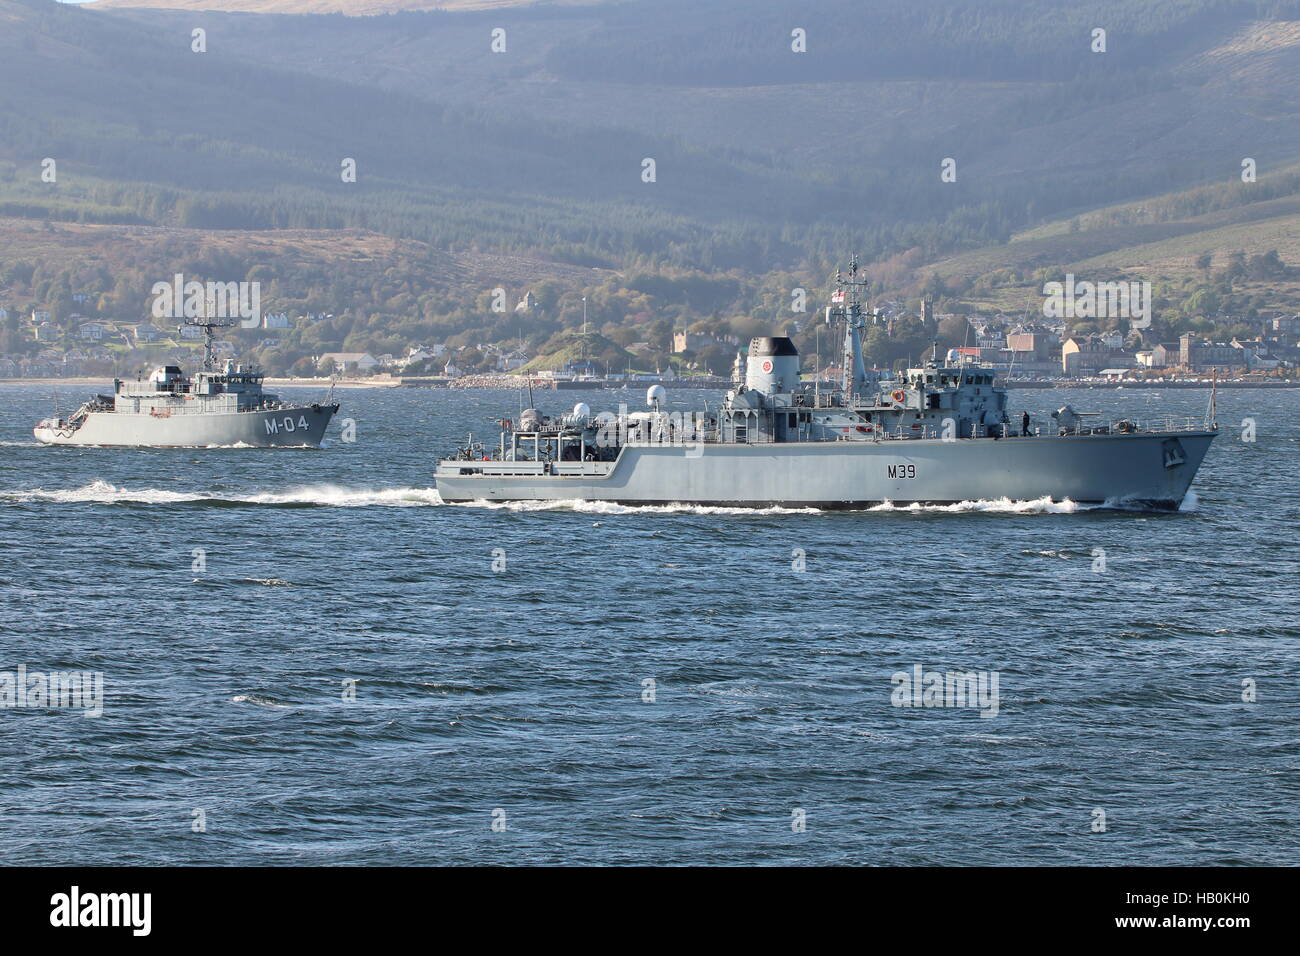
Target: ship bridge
168,391
933,401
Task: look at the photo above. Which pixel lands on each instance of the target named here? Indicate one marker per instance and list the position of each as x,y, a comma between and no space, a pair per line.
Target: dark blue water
521,691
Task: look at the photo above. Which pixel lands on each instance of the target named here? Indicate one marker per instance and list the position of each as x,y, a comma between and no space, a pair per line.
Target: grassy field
114,247
1153,239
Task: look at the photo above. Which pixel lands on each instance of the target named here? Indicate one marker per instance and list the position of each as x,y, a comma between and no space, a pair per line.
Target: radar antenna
852,288
209,359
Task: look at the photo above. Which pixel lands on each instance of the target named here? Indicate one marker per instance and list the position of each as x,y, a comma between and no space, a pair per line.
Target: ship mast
849,295
209,359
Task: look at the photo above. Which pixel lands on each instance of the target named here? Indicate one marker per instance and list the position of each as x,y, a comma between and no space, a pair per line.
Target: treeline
155,134
383,305
147,133
737,42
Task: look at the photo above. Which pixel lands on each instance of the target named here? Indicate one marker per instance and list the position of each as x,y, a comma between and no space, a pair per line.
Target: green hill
771,165
571,349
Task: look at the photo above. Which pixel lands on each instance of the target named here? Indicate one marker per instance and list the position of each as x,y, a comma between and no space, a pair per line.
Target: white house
509,361
363,362
39,316
93,331
418,353
270,321
146,332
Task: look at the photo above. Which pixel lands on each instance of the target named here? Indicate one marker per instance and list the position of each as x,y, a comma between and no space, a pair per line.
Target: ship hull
1146,470
290,427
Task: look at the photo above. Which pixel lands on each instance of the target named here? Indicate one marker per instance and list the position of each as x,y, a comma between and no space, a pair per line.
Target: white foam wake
1043,505
1001,505
102,492
584,506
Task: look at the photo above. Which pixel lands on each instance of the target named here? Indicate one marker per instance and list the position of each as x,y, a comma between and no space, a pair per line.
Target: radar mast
209,359
848,296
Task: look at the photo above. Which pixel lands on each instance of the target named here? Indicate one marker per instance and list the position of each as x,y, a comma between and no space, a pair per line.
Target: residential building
1197,355
1086,355
362,362
1165,355
146,333
1041,344
692,341
1285,324
509,361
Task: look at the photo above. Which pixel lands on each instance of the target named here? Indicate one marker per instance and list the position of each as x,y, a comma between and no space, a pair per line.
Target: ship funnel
773,365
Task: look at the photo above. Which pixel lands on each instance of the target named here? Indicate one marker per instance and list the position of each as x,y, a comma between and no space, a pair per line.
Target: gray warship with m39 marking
212,409
937,434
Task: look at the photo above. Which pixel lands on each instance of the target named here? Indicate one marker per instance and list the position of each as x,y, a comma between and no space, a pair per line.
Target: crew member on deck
1024,424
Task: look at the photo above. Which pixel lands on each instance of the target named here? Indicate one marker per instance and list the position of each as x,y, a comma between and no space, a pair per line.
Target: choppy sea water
519,695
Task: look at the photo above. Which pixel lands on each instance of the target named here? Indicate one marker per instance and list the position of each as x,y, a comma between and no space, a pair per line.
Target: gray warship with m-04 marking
936,434
171,410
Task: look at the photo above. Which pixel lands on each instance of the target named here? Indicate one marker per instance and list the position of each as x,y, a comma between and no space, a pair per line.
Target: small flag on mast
837,296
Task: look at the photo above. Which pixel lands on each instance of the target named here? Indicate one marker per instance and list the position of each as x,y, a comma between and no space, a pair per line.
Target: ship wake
1006,506
335,496
994,506
584,506
102,492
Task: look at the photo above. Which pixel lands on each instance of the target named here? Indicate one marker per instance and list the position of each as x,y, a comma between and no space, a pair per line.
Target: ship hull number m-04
275,426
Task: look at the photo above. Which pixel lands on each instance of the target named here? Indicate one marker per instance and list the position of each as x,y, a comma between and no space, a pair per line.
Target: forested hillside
771,166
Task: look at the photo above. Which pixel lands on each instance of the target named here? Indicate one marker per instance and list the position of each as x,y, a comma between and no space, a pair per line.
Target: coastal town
1022,348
